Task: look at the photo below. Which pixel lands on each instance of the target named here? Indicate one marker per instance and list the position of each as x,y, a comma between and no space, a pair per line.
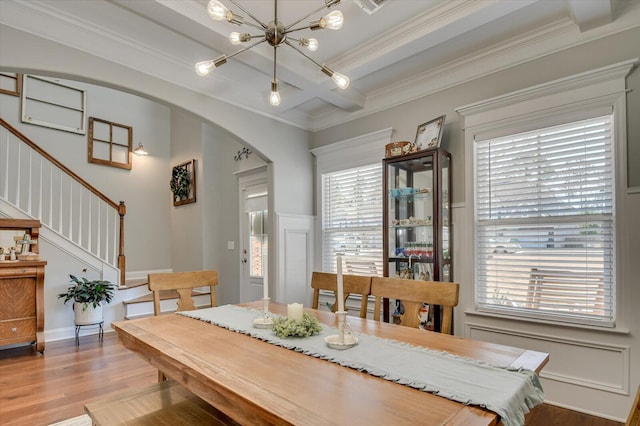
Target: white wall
144,189
591,370
285,147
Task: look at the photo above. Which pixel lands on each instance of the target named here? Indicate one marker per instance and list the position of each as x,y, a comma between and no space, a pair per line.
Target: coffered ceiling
405,50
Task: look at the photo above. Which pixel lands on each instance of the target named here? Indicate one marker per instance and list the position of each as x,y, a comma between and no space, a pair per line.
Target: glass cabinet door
418,241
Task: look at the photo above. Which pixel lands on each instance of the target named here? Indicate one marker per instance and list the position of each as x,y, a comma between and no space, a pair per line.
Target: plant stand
100,331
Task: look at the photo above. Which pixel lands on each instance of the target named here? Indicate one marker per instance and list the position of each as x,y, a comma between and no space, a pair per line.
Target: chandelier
276,34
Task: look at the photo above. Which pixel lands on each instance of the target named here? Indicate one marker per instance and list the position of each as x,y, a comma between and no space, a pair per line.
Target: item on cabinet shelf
429,134
12,254
394,149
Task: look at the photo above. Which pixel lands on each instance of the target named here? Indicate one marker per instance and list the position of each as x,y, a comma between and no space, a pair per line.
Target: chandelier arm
262,24
288,31
325,6
251,24
303,54
247,48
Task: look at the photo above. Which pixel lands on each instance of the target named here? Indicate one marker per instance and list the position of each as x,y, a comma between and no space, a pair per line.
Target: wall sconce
140,150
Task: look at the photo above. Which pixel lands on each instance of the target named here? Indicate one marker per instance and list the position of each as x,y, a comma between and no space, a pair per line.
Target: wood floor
43,389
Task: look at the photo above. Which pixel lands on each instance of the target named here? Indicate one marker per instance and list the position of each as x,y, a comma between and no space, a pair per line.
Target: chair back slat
182,283
413,294
352,284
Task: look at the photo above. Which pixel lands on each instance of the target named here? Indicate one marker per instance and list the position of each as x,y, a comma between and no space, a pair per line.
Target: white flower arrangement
284,327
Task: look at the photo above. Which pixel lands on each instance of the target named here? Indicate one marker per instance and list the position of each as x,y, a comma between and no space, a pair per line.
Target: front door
254,248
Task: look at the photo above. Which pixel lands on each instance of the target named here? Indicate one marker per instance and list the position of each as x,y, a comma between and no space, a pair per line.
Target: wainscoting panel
592,365
295,258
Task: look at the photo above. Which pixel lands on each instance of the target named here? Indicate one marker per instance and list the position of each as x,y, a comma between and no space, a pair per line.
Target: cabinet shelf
417,193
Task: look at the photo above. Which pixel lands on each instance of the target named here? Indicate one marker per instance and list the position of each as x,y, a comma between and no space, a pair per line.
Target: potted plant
88,299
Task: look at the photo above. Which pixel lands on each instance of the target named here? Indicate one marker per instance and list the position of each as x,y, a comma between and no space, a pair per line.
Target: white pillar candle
265,279
295,311
340,292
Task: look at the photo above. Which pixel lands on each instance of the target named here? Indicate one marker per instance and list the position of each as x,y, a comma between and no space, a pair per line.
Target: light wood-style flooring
43,389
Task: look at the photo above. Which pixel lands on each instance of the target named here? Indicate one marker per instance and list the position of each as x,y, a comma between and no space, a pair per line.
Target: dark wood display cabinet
417,216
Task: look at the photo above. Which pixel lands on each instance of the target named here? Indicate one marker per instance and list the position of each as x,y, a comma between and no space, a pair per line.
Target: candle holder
264,318
344,339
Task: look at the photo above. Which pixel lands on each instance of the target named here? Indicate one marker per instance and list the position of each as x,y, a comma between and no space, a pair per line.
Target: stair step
164,295
134,282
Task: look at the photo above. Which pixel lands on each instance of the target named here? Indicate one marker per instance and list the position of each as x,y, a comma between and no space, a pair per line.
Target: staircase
74,215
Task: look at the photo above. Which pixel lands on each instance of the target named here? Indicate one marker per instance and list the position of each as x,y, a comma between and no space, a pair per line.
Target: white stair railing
37,184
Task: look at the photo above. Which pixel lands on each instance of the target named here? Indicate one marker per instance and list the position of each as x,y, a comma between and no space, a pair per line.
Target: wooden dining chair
180,285
352,284
413,294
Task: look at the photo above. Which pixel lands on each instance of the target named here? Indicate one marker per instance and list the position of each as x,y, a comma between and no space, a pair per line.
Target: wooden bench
165,403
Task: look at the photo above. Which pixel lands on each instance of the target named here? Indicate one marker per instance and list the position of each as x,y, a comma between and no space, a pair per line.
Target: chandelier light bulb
217,11
274,98
334,20
204,68
236,38
341,80
313,44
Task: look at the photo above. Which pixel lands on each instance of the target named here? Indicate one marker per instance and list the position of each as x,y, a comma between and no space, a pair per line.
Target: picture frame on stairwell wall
183,183
429,134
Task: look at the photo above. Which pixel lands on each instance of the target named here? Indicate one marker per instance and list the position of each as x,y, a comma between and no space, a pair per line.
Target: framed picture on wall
183,183
429,134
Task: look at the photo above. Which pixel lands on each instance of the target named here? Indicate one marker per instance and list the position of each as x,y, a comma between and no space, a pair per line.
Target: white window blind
352,219
544,213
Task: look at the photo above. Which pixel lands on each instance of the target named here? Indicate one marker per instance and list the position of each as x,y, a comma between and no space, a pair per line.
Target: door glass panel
258,242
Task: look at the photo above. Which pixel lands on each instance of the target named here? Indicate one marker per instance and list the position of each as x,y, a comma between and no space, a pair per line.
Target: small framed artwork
183,183
429,134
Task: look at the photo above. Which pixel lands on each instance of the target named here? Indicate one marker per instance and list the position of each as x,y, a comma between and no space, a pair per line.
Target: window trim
566,99
350,153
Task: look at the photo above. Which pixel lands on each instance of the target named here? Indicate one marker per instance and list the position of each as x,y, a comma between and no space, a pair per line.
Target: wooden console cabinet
22,294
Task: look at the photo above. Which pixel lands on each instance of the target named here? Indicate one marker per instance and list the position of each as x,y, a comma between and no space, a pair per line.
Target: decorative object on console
429,134
276,34
183,183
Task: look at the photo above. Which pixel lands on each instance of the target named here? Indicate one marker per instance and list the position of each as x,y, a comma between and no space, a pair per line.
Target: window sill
607,330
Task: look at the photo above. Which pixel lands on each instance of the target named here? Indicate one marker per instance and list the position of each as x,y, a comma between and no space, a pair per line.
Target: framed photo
183,183
429,134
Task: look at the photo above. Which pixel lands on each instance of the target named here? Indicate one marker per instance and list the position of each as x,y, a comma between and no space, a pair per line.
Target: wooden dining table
255,382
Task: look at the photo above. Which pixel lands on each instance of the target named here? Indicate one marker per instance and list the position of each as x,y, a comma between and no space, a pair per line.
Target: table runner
507,391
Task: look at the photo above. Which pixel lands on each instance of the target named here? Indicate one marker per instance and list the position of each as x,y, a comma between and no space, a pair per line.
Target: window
258,242
352,219
544,222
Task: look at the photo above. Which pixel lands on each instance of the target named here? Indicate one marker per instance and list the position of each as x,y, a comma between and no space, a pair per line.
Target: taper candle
340,292
265,279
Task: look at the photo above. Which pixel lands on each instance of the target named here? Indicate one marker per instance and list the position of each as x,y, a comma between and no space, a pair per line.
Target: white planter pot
90,315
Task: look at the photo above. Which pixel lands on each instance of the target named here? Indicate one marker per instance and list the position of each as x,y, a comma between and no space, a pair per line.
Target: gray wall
405,118
590,369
